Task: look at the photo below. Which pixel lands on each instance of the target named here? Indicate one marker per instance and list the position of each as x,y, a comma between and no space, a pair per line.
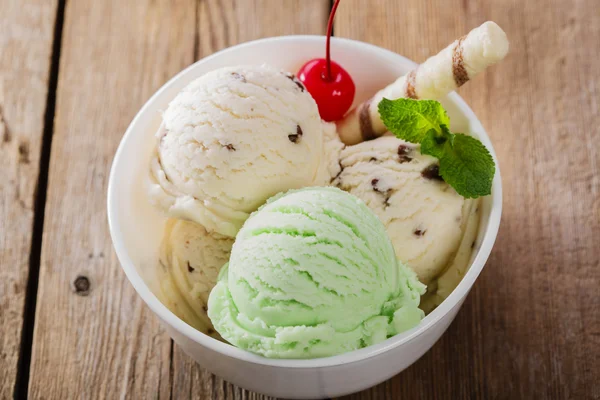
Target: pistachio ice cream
312,274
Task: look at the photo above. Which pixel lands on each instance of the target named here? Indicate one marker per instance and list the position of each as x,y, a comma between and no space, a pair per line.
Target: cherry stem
329,77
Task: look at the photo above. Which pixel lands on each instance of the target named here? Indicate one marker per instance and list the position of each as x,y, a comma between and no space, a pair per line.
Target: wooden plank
530,327
26,34
223,24
528,330
100,342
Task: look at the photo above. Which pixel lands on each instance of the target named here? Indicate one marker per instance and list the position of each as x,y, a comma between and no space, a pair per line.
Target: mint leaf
434,143
446,134
465,163
410,119
431,146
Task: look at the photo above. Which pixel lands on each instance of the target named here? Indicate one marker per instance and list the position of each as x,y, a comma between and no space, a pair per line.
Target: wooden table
73,74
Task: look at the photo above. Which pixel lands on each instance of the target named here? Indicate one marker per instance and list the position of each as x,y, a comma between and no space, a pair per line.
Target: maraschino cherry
328,83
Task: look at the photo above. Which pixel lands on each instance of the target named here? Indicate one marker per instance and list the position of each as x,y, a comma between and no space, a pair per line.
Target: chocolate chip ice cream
422,214
233,138
190,260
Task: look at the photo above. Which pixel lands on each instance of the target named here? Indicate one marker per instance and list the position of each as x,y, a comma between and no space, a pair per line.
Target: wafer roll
436,77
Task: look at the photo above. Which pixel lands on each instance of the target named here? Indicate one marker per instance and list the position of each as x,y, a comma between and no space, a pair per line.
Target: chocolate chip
238,76
386,201
403,152
372,159
375,183
293,78
190,268
230,147
296,137
205,309
473,245
385,193
299,84
420,232
81,285
432,172
210,331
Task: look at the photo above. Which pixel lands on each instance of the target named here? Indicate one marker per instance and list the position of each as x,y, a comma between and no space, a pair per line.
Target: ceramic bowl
136,230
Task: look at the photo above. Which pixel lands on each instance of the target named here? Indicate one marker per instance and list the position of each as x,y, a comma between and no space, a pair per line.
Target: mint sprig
465,163
413,118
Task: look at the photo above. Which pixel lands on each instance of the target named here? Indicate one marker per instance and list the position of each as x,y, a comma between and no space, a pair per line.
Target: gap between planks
24,363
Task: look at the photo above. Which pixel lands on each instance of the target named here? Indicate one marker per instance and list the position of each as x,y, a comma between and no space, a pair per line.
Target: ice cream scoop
190,260
233,138
441,287
422,214
313,273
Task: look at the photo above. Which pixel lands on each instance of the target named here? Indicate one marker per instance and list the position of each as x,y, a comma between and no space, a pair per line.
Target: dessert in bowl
138,230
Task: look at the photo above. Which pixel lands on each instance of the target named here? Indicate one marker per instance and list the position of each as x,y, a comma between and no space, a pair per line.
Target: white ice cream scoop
233,138
190,260
422,214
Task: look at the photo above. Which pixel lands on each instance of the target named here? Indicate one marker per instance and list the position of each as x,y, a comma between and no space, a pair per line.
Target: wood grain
223,24
102,342
26,30
530,327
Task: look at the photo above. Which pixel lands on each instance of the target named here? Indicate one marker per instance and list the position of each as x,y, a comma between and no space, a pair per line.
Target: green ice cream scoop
312,274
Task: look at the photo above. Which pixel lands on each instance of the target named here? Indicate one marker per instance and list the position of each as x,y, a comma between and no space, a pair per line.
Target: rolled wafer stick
436,77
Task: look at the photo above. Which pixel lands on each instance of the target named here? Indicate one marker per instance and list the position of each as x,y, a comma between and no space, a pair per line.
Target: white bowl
136,230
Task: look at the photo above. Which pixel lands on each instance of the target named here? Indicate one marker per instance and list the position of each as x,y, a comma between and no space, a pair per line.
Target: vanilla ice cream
233,138
441,287
422,214
190,260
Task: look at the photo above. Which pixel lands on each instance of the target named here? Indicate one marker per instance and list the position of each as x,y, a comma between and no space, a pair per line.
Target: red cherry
328,83
333,96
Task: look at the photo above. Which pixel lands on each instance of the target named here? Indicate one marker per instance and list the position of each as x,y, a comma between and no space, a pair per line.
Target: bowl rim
164,314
